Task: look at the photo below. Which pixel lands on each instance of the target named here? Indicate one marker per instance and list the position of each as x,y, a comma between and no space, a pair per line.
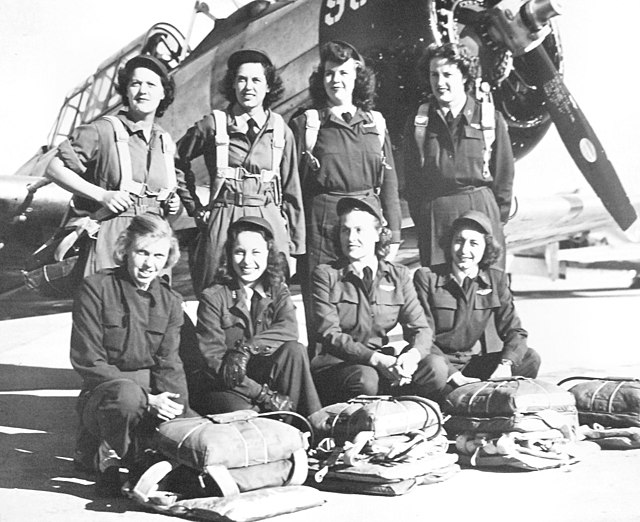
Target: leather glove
270,400
234,366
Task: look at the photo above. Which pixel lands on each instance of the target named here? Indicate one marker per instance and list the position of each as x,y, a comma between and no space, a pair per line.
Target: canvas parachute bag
515,422
233,454
608,409
379,445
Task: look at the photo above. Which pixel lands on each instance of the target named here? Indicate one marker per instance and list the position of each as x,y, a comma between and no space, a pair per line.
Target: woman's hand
173,204
407,364
503,370
201,217
386,365
163,407
116,201
460,380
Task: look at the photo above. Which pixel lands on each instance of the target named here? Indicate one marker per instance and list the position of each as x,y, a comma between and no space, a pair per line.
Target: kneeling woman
357,300
461,299
248,332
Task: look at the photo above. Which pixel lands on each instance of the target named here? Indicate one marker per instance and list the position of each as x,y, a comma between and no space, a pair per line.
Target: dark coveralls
245,197
460,319
224,320
90,151
352,325
451,181
124,344
351,164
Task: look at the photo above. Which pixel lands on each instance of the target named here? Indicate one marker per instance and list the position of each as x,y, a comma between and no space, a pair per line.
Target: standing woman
457,154
90,164
247,330
345,151
250,155
357,300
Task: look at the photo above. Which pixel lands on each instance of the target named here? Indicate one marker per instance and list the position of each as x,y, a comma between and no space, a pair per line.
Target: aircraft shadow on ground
37,437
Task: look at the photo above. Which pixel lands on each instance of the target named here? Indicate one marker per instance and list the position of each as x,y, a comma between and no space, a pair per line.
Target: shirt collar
358,267
127,282
241,121
459,275
134,127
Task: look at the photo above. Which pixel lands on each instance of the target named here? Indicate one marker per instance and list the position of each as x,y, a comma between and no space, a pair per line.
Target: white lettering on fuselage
335,9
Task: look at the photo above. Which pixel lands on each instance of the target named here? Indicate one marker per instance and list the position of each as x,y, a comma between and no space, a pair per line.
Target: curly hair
457,54
168,84
383,246
364,90
274,82
492,249
147,225
277,270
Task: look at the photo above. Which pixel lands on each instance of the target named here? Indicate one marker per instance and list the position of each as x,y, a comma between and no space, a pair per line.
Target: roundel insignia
588,150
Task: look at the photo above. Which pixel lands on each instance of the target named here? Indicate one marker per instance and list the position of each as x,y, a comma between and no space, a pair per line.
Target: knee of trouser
128,397
436,371
364,380
294,350
530,364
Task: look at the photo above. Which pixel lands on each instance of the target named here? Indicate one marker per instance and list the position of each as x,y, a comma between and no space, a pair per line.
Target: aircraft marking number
335,9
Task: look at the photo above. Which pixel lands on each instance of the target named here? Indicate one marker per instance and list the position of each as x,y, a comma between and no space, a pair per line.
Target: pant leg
529,366
113,411
344,381
482,366
429,380
287,371
209,402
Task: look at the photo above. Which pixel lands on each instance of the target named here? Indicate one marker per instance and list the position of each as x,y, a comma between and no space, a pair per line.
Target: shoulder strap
277,145
124,155
381,126
222,139
420,123
168,152
487,123
312,128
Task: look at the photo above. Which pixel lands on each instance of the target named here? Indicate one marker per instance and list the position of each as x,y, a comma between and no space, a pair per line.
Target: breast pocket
345,299
155,330
389,302
472,149
443,308
114,333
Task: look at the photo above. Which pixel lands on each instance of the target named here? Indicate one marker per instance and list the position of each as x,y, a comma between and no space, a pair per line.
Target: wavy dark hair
364,90
168,84
454,53
274,82
492,249
277,269
383,246
142,226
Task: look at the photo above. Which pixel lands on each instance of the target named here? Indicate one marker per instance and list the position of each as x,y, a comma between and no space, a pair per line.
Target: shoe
108,483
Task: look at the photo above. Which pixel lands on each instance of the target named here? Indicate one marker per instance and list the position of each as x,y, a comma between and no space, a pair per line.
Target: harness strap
420,123
487,124
311,130
222,139
277,145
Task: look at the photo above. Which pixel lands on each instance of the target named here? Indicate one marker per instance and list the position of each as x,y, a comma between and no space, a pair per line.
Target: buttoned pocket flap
445,301
473,133
157,323
389,297
344,294
487,301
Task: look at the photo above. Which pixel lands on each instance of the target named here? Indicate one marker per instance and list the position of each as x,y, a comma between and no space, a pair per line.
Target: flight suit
459,320
352,325
451,181
252,199
90,151
350,164
124,345
224,320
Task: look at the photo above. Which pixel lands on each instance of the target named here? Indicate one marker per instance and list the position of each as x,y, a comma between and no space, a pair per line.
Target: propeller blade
579,138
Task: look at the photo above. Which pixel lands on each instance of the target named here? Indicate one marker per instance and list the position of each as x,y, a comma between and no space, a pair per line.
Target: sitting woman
357,300
460,299
248,333
124,345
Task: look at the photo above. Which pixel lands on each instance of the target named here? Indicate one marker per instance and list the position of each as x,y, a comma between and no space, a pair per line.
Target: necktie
346,116
466,284
252,130
367,279
255,301
449,119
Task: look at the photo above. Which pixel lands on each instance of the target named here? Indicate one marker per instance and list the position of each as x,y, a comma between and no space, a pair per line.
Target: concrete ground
586,325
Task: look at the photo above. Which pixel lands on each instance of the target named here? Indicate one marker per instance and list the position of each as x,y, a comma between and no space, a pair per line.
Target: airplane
519,50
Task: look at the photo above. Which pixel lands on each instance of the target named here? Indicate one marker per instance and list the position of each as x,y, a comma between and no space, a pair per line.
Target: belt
241,200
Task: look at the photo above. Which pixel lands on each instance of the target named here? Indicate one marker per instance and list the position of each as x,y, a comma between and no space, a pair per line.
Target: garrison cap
148,62
248,56
480,219
368,204
337,47
253,222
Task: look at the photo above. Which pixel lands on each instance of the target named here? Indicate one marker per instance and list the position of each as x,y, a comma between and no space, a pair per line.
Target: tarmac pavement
588,329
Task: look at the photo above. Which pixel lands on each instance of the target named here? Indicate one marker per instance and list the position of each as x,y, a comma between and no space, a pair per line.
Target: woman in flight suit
461,298
254,172
447,165
357,300
248,333
351,154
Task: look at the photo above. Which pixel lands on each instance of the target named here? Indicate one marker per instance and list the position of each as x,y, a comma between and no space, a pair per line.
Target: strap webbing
222,139
420,123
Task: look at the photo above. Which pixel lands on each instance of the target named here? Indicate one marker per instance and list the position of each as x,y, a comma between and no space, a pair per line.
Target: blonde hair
146,225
